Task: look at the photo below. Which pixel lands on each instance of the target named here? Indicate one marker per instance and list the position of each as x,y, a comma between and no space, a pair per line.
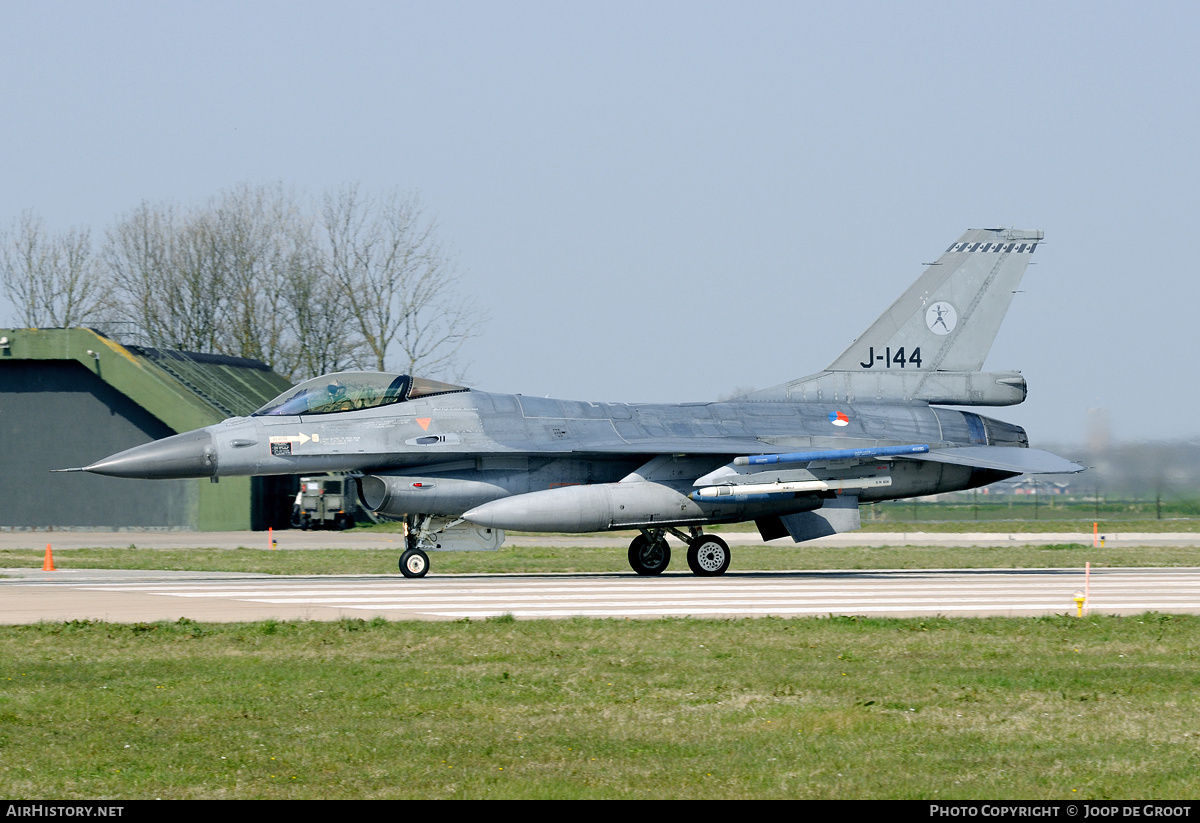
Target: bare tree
168,275
139,256
397,280
267,247
52,280
283,305
251,274
209,279
322,328
197,288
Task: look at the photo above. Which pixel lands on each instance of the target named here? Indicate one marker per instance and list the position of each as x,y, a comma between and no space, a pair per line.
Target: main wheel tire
708,556
649,558
414,563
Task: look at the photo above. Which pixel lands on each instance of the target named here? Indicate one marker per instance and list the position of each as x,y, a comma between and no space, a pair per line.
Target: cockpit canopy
352,391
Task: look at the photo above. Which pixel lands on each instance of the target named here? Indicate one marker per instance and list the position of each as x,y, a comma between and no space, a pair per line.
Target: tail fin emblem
941,318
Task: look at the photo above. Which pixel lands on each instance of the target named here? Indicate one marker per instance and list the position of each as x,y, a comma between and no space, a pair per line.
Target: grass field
817,708
550,558
1059,708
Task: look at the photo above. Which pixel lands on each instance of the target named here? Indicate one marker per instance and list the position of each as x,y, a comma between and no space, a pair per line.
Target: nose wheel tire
649,558
414,563
708,556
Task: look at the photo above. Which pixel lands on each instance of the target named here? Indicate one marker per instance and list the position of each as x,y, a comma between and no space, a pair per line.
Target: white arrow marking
295,438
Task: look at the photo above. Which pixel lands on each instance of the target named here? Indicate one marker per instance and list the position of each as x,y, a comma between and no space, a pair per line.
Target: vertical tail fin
948,319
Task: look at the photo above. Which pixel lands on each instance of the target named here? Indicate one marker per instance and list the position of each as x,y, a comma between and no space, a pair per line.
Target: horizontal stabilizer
1001,458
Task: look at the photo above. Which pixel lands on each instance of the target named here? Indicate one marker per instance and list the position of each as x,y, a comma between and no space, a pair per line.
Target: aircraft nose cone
191,454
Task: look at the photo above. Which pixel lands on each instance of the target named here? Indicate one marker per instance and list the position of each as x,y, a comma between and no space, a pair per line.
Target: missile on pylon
733,492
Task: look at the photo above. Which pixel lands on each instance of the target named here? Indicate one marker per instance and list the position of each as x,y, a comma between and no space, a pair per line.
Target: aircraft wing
1013,459
1002,458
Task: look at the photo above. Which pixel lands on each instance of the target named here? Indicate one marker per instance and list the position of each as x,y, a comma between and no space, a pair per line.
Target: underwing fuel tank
587,508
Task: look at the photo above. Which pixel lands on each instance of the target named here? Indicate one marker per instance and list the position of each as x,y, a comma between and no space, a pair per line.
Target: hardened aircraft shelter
71,396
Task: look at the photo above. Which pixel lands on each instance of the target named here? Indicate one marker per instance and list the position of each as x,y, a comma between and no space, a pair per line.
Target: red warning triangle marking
423,422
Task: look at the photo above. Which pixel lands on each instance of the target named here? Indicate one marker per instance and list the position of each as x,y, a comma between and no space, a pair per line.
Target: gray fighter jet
460,466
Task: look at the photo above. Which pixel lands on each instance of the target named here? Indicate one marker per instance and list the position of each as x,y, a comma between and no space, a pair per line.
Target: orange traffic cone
48,563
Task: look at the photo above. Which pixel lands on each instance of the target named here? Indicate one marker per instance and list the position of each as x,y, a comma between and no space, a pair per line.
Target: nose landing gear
414,563
417,534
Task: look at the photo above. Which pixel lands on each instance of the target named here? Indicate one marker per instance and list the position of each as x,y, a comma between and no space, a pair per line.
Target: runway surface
364,539
126,596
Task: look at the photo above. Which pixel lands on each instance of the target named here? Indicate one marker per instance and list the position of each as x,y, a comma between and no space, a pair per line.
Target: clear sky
664,201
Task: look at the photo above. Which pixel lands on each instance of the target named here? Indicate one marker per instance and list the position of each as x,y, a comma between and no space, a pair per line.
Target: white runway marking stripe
866,579
748,594
573,594
607,602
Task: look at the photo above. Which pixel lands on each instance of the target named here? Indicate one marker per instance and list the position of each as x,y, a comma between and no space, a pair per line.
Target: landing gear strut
418,535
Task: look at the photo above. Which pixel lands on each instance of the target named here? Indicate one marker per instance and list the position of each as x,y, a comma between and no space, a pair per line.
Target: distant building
69,397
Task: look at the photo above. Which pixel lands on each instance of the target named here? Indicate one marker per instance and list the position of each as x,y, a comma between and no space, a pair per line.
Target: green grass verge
1064,526
552,559
1103,707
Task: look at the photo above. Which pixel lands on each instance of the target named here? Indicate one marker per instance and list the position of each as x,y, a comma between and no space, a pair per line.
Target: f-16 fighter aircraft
460,466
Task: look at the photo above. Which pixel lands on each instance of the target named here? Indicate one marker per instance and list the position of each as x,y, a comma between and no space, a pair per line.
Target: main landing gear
707,556
649,555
